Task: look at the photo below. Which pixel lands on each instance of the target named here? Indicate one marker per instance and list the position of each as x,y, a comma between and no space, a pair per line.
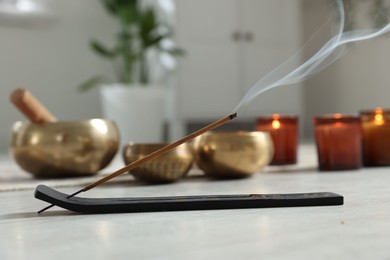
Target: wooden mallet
30,106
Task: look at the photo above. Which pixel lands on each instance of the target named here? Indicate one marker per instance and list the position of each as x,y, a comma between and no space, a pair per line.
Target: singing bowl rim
48,124
155,145
180,149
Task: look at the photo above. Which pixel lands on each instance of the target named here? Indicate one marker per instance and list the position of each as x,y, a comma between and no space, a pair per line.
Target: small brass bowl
64,148
168,167
233,154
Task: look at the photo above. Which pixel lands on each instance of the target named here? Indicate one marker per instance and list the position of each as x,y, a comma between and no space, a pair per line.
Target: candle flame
378,119
275,124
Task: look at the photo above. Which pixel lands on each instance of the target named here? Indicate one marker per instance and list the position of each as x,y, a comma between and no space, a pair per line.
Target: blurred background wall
50,56
358,80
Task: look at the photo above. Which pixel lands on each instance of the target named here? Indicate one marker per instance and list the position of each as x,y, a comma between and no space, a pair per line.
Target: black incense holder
180,203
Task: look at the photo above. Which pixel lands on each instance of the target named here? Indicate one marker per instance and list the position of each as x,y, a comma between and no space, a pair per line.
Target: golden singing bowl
64,148
233,154
168,167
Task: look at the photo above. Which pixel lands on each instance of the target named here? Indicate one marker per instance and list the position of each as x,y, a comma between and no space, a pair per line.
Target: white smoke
286,74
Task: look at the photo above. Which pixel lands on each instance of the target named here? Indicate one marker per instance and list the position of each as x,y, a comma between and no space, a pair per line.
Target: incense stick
150,156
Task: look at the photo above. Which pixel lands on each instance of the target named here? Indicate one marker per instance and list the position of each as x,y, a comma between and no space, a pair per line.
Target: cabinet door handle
249,36
237,36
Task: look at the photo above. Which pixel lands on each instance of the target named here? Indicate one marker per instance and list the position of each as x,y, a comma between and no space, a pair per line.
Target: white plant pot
139,111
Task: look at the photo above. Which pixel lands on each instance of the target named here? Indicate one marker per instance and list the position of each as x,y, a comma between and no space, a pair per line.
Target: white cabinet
230,45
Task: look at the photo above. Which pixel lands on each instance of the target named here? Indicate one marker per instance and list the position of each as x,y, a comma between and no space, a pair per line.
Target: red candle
284,133
338,139
376,137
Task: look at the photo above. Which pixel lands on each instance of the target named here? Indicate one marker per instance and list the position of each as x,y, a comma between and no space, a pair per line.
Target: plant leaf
103,51
176,52
128,16
116,6
147,20
173,51
147,25
153,41
90,83
125,36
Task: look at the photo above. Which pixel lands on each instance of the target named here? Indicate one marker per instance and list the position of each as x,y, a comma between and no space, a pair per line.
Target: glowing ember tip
233,116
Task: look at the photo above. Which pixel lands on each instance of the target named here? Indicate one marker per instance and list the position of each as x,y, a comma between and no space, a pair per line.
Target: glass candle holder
284,133
376,137
338,140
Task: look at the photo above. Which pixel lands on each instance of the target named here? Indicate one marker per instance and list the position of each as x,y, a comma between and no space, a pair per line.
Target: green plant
140,31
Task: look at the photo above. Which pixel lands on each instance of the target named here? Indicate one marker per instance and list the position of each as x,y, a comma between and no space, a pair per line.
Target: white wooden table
360,229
